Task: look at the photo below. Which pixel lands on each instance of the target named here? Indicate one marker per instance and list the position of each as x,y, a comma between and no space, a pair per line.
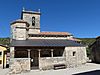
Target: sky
79,17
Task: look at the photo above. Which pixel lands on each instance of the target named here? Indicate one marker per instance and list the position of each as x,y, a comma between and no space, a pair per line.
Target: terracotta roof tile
74,39
19,21
55,33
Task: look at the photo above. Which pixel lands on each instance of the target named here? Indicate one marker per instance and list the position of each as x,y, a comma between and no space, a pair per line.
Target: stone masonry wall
18,33
28,17
78,58
46,63
18,65
69,59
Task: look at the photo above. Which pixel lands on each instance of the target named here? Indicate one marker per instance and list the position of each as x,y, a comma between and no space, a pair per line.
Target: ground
87,69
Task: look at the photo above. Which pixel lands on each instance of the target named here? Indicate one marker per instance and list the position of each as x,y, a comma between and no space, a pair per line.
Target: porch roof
45,43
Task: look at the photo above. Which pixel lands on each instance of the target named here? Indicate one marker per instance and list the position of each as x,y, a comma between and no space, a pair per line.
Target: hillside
5,41
87,41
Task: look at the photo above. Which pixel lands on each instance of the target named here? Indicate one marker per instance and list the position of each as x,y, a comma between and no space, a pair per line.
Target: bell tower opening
33,21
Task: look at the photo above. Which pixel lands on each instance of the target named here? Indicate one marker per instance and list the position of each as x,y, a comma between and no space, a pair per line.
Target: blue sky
79,17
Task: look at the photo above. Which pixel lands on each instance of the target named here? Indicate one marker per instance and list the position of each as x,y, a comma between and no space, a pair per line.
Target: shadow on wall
95,72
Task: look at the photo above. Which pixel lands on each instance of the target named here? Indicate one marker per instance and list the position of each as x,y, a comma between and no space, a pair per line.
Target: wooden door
34,59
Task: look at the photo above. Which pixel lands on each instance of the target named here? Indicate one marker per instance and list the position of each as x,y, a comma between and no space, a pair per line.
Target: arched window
33,21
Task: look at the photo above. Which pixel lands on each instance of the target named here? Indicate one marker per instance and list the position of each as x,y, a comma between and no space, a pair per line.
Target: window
0,61
0,53
33,21
46,53
58,52
21,54
74,53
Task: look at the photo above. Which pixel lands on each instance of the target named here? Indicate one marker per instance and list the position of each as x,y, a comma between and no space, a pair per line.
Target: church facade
32,49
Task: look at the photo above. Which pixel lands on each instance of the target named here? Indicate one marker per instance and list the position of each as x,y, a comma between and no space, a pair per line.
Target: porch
41,58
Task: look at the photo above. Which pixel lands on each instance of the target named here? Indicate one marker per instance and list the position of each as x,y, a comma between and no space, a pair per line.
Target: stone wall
69,58
96,55
75,56
95,51
28,17
12,52
33,31
18,33
18,65
46,63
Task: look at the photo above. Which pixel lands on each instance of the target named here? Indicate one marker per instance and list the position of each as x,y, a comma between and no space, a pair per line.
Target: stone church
32,49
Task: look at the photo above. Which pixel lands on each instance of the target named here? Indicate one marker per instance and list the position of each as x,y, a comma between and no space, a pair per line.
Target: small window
74,53
33,21
0,61
0,53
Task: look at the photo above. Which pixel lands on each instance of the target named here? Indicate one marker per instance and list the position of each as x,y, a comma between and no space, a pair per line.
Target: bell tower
33,18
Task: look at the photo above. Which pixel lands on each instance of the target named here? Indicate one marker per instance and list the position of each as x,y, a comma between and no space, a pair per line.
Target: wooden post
51,52
29,53
39,50
39,53
29,57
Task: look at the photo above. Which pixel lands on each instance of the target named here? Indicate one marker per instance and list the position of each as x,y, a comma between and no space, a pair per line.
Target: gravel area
87,69
4,71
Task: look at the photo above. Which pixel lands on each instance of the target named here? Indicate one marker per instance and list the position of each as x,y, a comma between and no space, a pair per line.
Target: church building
32,48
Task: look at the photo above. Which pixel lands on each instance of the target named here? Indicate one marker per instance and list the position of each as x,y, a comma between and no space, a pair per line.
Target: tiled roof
55,33
19,21
45,43
74,39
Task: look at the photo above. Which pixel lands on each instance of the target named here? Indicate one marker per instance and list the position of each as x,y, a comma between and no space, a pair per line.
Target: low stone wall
18,65
47,63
